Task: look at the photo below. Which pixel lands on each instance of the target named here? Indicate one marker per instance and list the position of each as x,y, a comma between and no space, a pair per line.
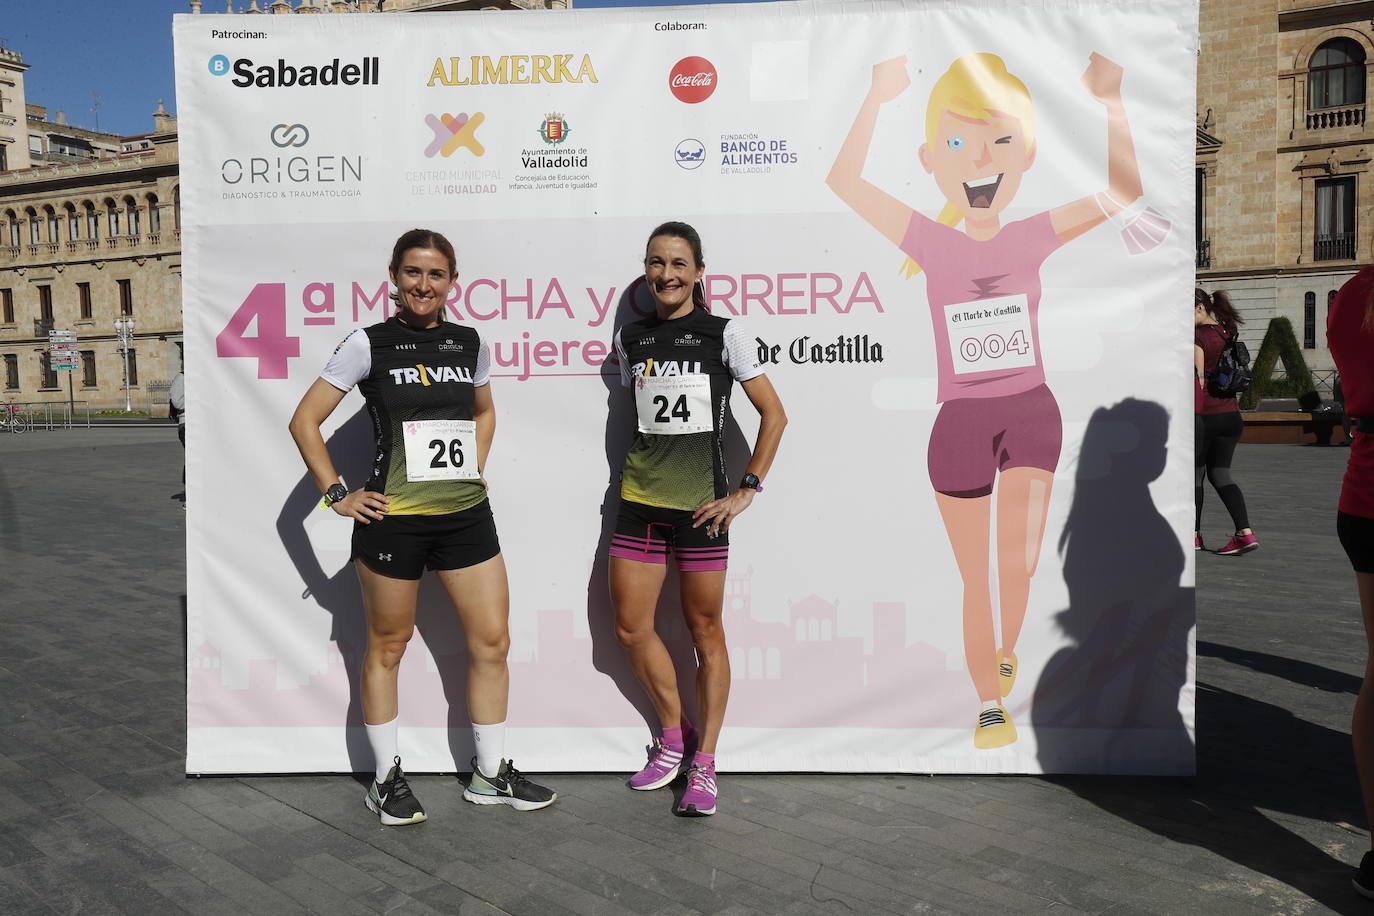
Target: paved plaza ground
96,815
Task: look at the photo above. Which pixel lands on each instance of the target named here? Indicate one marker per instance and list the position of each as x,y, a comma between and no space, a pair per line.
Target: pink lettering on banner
271,346
258,328
754,294
377,301
318,298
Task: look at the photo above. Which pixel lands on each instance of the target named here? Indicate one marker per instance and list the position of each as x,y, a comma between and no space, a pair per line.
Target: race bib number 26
990,334
441,449
673,405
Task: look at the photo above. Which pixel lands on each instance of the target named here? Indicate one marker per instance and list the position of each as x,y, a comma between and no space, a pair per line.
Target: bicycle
14,421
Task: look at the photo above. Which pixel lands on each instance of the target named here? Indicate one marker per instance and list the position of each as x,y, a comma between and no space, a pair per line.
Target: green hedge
1279,343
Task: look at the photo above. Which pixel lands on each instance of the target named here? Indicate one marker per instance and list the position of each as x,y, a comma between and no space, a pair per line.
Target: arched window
131,208
12,220
1309,321
92,221
154,215
73,223
1336,75
34,231
54,228
176,207
112,217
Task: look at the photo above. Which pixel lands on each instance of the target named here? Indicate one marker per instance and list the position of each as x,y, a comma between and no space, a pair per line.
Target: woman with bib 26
426,383
676,497
998,423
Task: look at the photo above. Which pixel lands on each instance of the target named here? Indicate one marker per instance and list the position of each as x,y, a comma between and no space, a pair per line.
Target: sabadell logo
692,80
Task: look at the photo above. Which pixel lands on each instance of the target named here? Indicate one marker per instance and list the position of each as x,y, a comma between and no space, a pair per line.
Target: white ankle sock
491,746
385,749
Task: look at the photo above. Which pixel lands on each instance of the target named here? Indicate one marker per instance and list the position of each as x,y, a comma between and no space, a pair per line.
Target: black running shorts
649,533
404,546
1357,537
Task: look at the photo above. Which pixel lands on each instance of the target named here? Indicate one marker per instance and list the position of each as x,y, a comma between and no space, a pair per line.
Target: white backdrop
843,609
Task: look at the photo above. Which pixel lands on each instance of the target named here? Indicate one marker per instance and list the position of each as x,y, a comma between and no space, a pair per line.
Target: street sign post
63,356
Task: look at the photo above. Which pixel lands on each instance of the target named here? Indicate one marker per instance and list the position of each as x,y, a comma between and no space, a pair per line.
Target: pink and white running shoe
700,798
665,762
1239,543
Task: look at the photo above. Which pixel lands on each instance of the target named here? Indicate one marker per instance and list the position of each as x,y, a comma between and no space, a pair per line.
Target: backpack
1232,375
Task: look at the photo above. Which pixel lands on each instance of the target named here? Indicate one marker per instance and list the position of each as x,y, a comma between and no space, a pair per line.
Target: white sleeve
624,361
740,355
351,362
483,374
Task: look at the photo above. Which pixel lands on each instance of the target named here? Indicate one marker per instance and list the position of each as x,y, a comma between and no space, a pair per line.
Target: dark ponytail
1219,306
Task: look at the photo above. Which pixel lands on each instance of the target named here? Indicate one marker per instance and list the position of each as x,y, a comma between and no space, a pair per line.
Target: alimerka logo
454,131
280,73
692,80
511,68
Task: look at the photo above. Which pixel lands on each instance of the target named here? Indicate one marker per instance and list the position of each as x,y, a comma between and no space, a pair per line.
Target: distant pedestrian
1350,335
1215,323
177,407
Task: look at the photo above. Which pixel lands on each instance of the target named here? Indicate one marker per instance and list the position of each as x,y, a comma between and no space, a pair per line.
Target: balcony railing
1334,247
80,249
1324,118
1204,254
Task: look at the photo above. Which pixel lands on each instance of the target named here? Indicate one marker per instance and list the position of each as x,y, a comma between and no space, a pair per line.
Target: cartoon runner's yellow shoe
1006,671
994,728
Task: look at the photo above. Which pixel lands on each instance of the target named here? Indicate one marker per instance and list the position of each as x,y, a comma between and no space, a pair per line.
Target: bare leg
1362,726
1023,501
966,524
482,599
703,599
390,607
634,592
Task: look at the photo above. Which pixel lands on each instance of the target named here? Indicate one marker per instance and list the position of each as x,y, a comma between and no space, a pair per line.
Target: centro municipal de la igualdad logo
452,132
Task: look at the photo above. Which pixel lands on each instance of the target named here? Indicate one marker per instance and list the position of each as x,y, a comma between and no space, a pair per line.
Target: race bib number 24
673,405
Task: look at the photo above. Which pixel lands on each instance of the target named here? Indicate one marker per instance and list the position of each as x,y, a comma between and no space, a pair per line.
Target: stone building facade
1285,212
89,232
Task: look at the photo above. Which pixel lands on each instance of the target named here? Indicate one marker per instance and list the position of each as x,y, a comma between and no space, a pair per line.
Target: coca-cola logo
692,80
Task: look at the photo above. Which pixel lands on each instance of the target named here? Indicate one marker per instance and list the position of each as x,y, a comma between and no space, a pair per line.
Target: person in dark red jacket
1215,322
1350,335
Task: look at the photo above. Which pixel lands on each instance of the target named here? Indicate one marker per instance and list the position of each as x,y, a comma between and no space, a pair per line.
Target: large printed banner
902,203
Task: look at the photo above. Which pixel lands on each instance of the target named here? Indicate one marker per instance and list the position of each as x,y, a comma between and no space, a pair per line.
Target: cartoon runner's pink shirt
984,301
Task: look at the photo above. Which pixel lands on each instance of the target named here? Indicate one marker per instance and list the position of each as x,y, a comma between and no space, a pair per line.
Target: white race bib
441,449
990,334
673,405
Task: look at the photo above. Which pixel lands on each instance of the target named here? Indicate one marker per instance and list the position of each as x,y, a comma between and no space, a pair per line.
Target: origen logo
692,80
284,135
452,132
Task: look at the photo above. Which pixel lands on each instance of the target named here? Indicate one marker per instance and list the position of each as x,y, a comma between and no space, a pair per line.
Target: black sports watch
751,482
336,492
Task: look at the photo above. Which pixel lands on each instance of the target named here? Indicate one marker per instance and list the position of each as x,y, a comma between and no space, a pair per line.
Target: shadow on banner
1108,701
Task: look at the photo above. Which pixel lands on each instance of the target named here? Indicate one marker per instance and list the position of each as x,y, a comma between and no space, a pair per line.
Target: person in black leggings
1214,323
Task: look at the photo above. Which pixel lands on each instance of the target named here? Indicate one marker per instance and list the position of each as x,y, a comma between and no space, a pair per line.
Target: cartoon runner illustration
998,421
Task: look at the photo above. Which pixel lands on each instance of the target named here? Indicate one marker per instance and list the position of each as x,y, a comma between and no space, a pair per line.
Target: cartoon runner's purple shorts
974,438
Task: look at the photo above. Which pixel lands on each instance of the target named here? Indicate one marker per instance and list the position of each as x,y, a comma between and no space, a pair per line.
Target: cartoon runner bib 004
673,405
440,449
990,334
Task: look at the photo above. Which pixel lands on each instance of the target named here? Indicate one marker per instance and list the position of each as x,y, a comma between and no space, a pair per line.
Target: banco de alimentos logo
452,132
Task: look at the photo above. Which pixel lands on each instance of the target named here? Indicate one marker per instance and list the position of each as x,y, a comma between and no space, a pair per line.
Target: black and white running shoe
1364,878
508,787
393,801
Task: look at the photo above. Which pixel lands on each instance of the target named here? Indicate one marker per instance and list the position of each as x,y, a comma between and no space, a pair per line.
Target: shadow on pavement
1128,623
